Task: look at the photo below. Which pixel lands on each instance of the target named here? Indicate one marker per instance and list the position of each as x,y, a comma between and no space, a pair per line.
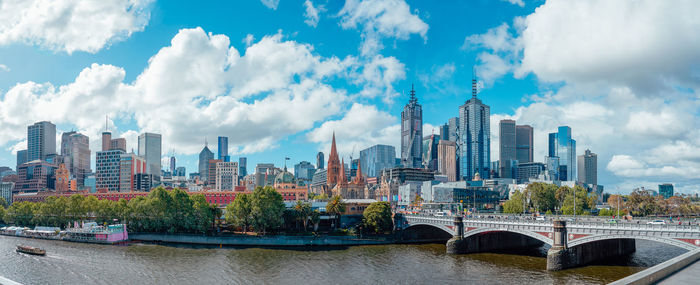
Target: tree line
161,211
549,198
642,203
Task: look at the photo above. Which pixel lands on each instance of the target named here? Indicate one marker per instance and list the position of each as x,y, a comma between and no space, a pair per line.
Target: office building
21,158
319,161
226,175
524,147
506,148
223,149
562,146
107,170
172,164
430,152
41,140
118,143
212,172
588,168
453,125
666,190
376,158
242,167
6,189
304,171
447,159
35,176
75,148
204,157
150,149
180,171
412,133
144,182
528,170
264,174
130,164
474,137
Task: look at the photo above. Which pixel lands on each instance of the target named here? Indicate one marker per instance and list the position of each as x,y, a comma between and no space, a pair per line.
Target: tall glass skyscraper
150,149
412,133
41,140
223,149
242,166
561,145
75,147
524,149
204,156
474,137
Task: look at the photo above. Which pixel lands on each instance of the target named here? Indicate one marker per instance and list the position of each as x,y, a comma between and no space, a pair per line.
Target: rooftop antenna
473,82
413,94
205,141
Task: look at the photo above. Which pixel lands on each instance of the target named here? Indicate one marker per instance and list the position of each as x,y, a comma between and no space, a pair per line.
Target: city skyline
642,128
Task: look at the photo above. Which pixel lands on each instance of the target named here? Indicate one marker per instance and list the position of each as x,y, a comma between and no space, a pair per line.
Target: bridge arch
594,238
437,226
525,233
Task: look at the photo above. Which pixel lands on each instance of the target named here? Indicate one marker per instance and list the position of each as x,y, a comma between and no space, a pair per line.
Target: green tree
378,217
238,212
584,202
21,213
315,218
542,196
3,203
514,205
303,210
336,207
267,208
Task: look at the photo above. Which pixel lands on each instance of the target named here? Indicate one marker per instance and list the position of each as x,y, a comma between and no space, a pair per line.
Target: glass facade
474,139
561,145
223,149
412,133
376,158
150,149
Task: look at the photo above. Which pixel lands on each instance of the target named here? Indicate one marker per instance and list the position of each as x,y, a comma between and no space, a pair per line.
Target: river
78,263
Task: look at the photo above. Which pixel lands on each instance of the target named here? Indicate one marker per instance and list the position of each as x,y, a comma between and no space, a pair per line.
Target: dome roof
284,177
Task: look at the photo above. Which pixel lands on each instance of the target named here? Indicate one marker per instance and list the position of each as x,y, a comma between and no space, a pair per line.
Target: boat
30,250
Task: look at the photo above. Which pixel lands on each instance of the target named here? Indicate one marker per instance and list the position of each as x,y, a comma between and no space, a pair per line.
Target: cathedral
337,181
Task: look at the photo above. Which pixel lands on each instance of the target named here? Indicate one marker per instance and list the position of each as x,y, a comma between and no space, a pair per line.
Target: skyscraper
172,164
524,148
304,171
75,147
561,145
666,190
430,152
242,166
376,158
447,159
41,140
506,142
319,161
107,170
412,133
150,149
453,125
129,166
474,137
222,149
588,168
204,156
21,158
226,175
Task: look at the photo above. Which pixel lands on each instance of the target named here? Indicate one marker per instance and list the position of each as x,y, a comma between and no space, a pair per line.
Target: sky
279,77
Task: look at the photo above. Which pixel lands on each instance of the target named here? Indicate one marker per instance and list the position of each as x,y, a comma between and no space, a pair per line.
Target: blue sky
278,77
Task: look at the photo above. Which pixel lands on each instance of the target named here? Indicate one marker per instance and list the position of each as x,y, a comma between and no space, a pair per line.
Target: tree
21,213
3,203
583,202
303,210
378,216
561,194
514,205
542,196
641,203
315,218
267,209
616,202
336,207
238,212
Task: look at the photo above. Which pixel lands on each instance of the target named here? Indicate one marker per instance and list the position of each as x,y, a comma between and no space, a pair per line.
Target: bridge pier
456,244
560,256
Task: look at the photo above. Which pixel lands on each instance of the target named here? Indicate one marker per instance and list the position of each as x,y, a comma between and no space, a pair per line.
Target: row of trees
161,211
641,203
549,198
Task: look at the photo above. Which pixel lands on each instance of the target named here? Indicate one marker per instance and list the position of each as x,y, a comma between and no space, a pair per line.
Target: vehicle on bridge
657,222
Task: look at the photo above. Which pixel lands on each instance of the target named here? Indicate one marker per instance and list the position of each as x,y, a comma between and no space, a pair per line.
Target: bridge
573,243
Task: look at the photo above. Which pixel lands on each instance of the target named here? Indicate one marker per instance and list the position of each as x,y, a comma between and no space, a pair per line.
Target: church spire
341,176
358,177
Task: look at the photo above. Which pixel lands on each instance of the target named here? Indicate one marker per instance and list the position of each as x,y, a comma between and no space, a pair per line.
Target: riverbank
265,241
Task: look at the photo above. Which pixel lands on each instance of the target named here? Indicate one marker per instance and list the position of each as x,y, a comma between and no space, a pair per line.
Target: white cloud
199,86
381,18
353,130
4,68
312,13
515,2
70,25
272,4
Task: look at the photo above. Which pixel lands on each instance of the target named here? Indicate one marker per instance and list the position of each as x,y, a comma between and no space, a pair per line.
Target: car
656,222
612,221
540,218
440,214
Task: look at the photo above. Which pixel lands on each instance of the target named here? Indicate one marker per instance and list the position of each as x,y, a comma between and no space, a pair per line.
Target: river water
78,263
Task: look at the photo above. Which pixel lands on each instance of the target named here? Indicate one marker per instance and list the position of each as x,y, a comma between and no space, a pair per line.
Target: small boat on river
30,250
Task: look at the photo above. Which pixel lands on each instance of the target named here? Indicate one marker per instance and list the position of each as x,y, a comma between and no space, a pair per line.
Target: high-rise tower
412,133
150,149
474,137
563,147
41,140
204,156
75,147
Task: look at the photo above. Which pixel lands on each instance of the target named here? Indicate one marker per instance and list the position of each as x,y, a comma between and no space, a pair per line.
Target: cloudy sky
278,77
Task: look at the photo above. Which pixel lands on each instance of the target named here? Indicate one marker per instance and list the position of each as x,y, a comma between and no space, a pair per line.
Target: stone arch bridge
572,243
